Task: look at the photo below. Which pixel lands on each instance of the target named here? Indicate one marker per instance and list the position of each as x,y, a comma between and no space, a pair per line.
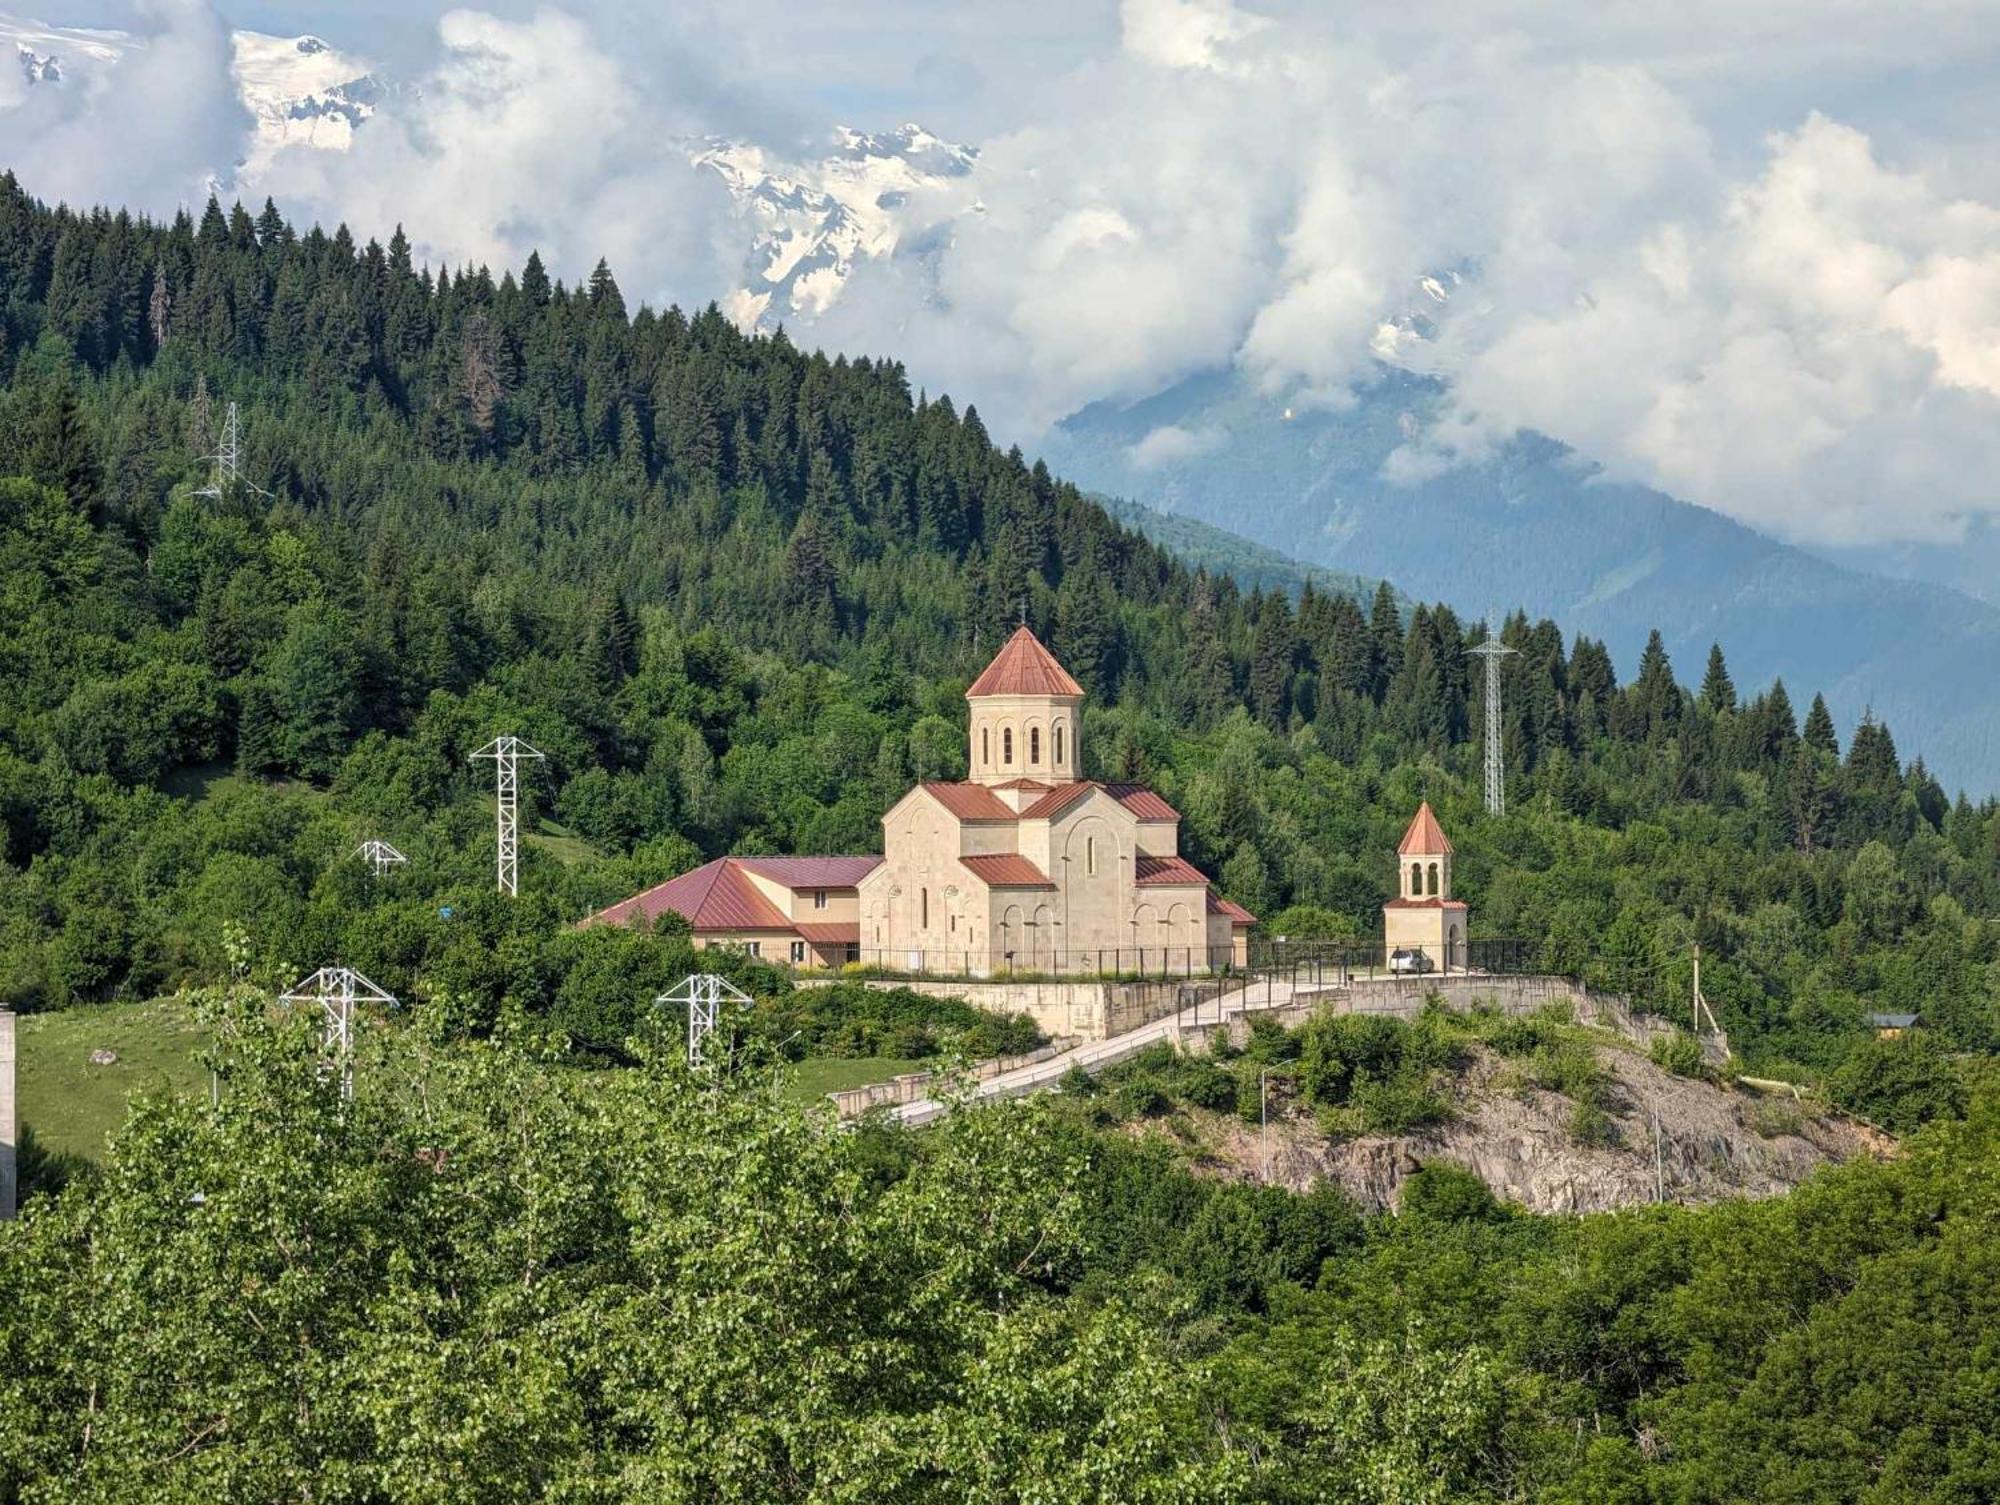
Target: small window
819,898
1059,741
1434,880
986,744
1035,746
798,951
755,948
1090,855
924,897
954,924
1007,746
1417,879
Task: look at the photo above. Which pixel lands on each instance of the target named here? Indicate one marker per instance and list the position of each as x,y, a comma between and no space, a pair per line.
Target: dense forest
734,591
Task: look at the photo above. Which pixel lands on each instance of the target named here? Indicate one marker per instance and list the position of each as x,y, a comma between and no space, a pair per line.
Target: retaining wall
912,1085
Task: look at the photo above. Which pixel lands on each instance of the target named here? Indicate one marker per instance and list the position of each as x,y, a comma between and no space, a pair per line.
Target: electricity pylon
228,458
507,753
380,856
336,990
703,993
1493,650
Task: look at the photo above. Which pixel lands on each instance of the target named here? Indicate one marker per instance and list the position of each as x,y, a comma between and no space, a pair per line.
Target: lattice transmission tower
1493,650
506,754
703,994
380,856
228,461
335,990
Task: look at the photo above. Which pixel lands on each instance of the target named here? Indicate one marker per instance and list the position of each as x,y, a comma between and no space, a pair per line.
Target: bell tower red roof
1024,667
1425,836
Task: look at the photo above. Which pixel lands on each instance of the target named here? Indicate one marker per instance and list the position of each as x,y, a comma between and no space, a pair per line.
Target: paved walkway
1095,1055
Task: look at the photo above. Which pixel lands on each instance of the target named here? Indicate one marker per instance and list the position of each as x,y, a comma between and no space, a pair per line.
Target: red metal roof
1151,870
1425,836
831,935
812,872
970,801
1238,915
1006,870
1057,800
1142,802
1024,784
715,896
1024,667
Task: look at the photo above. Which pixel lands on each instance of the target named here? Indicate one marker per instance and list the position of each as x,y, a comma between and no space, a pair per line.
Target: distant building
1423,916
1891,1026
1022,867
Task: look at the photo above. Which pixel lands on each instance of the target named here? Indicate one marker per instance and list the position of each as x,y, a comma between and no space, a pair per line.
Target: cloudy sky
1745,250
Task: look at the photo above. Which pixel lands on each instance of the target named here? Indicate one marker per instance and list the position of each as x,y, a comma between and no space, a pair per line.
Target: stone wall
911,1085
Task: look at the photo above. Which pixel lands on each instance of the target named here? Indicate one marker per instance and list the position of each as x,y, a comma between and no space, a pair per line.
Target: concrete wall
9,1125
1401,998
912,1085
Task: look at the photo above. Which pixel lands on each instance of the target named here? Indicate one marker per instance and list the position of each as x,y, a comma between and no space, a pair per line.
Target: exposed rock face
1715,1142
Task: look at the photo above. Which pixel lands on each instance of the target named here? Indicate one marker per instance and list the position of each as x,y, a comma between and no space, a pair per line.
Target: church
1024,866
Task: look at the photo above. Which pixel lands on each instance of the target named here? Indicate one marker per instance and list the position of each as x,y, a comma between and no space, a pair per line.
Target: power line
507,753
703,994
336,990
380,856
228,461
1493,650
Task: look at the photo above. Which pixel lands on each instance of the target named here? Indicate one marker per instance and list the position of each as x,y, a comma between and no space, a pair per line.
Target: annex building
1023,866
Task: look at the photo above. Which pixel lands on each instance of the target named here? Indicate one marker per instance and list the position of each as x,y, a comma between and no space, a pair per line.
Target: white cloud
1169,443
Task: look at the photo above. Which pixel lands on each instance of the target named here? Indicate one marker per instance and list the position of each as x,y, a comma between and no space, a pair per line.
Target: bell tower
1424,917
1025,712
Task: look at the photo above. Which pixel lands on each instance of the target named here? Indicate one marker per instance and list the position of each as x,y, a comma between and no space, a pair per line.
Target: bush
1141,1096
1397,1107
1901,1084
1591,1127
1679,1053
1205,1084
1569,1068
1444,1193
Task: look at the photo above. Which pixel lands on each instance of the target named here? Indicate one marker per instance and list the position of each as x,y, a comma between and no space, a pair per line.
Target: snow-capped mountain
299,90
811,223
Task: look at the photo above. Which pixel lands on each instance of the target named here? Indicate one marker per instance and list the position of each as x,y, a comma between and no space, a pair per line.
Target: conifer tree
1385,633
1818,733
1718,690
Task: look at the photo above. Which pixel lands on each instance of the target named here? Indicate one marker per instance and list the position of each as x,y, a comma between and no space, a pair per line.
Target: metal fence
1101,963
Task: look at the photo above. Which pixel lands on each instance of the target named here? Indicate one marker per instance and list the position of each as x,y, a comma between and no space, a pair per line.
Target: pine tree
1818,732
1272,650
1385,633
1808,796
1718,690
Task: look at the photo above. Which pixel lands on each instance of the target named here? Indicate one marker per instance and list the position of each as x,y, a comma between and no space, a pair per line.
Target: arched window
1059,740
1034,746
1007,746
1090,855
986,744
924,903
1434,880
1417,879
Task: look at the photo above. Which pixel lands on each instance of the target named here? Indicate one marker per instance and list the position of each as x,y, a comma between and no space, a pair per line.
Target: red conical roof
1425,835
1024,667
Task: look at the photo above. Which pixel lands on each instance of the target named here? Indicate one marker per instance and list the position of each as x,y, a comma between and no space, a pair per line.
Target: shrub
1900,1084
1141,1096
1076,1082
1569,1068
1206,1084
1775,1117
1591,1127
1397,1107
1443,1193
1679,1053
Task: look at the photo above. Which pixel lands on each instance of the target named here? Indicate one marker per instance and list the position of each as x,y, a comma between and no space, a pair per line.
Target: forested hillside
734,591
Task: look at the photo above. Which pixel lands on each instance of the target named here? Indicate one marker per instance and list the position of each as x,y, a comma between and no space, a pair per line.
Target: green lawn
69,1103
820,1075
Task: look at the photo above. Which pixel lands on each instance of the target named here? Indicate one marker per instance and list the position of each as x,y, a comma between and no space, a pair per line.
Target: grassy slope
69,1103
821,1075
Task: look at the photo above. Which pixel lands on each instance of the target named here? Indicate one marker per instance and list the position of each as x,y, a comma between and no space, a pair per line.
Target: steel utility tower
336,990
228,458
703,994
380,856
507,753
1493,650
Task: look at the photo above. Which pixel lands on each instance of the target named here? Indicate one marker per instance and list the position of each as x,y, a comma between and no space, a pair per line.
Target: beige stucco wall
994,715
9,1125
843,905
1425,928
